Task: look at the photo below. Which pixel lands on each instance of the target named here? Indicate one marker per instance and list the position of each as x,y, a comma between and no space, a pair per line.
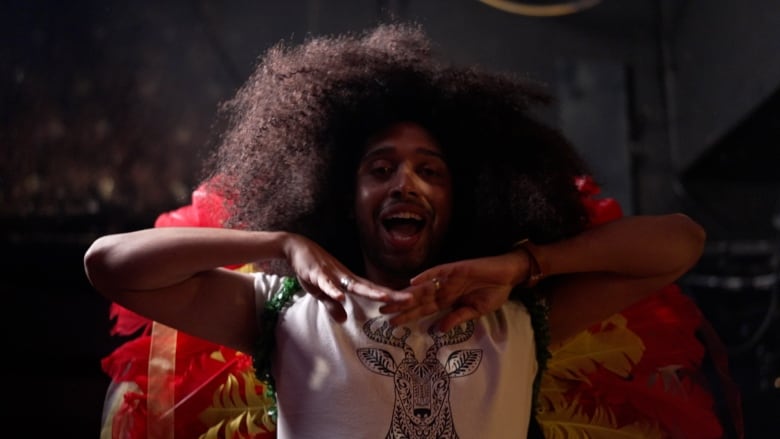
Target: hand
472,288
327,279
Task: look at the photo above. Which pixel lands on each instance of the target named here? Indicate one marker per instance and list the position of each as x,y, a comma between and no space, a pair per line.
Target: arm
591,276
606,269
172,275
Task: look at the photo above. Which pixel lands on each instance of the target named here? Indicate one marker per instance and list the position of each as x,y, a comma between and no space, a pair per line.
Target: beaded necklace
265,343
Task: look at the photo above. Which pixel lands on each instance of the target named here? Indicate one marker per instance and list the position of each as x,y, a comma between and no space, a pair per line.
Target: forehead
403,137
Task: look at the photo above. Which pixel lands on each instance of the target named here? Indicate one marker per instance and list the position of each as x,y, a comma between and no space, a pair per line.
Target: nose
406,183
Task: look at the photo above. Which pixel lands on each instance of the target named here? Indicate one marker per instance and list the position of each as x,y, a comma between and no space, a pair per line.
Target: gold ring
436,284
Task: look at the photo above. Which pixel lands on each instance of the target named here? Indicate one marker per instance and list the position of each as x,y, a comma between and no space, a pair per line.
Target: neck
386,279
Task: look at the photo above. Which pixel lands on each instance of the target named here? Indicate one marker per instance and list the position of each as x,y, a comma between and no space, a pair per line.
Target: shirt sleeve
266,286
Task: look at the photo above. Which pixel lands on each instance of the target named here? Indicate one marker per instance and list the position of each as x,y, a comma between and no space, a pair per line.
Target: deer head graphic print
422,387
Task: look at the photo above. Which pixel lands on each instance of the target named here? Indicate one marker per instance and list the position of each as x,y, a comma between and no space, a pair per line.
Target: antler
456,335
384,334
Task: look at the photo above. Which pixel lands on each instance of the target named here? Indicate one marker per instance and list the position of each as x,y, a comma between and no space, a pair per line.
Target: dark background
105,107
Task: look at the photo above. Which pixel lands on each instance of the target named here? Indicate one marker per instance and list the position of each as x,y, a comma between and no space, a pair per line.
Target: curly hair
294,132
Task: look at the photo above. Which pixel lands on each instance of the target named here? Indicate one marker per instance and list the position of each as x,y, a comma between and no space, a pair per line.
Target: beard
395,269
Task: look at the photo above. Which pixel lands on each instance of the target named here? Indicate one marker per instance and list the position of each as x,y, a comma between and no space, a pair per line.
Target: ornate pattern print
422,388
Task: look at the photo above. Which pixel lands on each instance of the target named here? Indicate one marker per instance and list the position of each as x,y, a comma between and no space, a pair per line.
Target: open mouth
403,226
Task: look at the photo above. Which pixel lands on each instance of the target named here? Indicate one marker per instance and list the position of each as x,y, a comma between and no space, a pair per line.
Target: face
403,202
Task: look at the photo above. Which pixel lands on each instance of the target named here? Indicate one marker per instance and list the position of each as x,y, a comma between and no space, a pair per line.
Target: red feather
666,385
600,210
667,323
127,322
130,361
207,209
678,402
130,420
200,366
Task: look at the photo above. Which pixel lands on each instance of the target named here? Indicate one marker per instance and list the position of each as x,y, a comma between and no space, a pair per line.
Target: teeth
405,215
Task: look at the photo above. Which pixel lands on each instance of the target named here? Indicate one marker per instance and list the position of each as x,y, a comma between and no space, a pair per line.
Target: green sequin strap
536,303
264,345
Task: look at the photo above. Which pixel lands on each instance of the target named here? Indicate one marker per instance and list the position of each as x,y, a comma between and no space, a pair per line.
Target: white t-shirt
360,379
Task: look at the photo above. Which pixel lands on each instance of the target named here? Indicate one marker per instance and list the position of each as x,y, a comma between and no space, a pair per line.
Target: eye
429,171
433,171
380,169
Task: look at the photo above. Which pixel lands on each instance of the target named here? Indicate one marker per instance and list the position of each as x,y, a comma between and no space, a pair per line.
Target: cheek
364,204
443,205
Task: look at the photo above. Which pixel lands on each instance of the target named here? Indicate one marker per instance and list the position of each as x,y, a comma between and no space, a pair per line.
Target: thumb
335,309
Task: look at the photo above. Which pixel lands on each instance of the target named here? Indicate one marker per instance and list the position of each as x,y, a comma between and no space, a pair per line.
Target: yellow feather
569,422
552,391
230,411
246,268
615,347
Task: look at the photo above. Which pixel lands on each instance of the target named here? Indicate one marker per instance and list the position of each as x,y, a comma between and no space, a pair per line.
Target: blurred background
105,109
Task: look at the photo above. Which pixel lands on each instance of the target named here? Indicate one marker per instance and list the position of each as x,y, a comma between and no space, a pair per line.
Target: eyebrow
385,149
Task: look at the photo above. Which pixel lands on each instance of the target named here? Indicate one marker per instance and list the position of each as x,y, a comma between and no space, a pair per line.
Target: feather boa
636,374
203,390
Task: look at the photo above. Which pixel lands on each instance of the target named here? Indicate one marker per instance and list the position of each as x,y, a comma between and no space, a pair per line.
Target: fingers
420,295
336,310
369,290
459,314
332,302
330,288
336,287
332,292
427,298
457,317
435,275
414,313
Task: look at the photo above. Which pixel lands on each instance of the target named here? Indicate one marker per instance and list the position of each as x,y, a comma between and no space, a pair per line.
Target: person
419,226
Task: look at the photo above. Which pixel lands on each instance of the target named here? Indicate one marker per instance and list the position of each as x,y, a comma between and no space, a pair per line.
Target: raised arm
604,270
173,275
586,278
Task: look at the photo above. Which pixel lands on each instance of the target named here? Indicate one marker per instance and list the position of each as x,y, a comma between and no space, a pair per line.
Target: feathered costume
167,384
637,374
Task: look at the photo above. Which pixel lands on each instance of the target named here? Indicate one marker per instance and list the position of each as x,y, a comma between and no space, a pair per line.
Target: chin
398,262
409,267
